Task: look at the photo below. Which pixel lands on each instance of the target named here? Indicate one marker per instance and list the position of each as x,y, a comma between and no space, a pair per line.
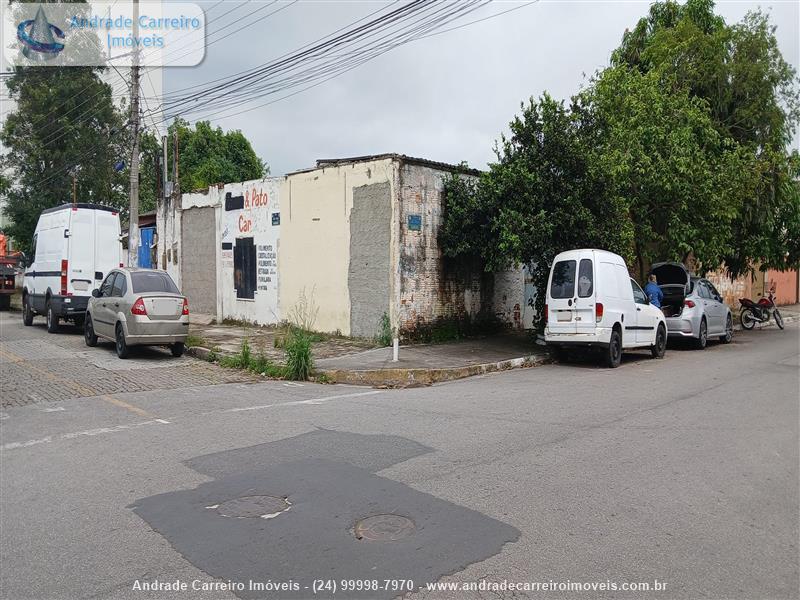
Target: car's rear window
144,282
563,284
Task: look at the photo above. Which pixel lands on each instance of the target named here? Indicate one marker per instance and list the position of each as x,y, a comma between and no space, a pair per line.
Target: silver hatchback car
138,307
692,306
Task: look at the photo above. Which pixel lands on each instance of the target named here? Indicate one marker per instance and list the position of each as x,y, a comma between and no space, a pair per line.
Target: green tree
52,132
753,99
208,156
544,194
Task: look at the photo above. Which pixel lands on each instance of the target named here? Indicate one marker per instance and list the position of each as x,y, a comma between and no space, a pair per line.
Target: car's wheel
728,337
89,336
702,338
52,318
748,319
613,354
778,319
177,349
121,344
27,311
660,347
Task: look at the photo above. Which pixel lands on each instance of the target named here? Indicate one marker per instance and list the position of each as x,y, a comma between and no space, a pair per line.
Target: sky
446,98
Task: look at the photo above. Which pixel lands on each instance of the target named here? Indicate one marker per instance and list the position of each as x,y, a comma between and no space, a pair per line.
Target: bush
298,355
384,337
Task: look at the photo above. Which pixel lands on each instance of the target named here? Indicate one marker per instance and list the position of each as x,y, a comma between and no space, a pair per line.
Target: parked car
138,307
74,247
592,302
693,307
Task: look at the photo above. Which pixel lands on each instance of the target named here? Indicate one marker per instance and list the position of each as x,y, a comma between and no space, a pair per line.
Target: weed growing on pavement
256,363
298,355
384,337
193,341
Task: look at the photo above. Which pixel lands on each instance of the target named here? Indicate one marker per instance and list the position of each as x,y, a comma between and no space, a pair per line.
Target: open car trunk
675,281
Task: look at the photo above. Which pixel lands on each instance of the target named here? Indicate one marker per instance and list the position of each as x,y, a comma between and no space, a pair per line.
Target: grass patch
193,341
299,362
257,362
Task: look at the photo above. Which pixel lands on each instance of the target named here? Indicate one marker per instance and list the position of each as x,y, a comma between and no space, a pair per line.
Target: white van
593,302
74,247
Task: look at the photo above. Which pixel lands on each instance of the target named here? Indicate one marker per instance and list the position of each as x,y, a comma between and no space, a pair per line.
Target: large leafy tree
208,155
752,97
544,194
54,132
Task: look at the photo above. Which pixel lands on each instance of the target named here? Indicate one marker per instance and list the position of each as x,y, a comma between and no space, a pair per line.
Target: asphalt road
682,471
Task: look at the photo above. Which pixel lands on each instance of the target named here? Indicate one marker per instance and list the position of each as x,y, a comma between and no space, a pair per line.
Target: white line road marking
76,434
300,402
56,409
293,384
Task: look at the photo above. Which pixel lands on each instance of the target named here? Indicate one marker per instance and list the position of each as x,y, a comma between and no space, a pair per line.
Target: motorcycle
759,312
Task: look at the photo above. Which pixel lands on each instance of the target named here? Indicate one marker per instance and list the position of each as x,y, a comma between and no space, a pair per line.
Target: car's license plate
564,315
164,307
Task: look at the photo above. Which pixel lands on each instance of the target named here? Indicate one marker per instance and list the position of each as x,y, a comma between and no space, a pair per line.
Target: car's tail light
185,306
64,269
546,313
688,303
598,312
138,307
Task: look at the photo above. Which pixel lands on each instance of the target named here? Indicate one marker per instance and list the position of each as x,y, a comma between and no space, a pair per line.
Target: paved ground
682,470
441,356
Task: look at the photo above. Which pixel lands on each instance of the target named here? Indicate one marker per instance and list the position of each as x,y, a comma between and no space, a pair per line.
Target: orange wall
785,283
754,285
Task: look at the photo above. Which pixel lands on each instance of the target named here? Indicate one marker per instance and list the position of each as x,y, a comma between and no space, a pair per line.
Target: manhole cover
265,507
384,528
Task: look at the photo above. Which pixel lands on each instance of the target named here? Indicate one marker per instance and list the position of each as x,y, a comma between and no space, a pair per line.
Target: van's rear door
107,247
80,275
560,295
583,301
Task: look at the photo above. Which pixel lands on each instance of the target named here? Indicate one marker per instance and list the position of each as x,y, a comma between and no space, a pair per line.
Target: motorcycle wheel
748,319
778,319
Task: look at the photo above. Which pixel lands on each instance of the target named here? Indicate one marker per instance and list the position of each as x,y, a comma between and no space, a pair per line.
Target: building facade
347,244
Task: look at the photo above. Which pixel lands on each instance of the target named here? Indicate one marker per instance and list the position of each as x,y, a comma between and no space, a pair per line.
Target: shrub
384,337
298,355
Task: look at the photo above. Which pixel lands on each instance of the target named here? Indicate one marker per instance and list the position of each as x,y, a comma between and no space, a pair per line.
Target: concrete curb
401,377
198,352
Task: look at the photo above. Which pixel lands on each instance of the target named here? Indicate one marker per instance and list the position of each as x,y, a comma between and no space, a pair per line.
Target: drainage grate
264,507
384,528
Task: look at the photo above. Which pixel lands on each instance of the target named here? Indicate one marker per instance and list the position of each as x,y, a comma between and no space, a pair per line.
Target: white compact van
74,248
593,302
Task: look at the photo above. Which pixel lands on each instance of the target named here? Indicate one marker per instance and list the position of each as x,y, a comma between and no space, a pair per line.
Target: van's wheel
89,336
52,318
614,352
660,347
177,349
702,339
27,311
121,344
728,337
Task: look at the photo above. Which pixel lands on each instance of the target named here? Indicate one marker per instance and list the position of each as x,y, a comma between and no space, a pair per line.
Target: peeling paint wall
428,290
315,239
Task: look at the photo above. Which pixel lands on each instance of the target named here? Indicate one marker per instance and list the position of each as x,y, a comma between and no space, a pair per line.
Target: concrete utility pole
133,219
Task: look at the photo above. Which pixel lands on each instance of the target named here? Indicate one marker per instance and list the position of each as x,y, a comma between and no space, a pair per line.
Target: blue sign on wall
276,218
414,222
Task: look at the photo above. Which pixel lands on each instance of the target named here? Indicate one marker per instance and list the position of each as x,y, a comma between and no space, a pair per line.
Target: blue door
145,241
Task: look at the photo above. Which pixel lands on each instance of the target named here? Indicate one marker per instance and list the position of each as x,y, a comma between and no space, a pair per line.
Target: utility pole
133,212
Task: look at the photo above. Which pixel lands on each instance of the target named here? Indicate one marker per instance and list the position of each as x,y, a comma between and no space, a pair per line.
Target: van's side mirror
96,293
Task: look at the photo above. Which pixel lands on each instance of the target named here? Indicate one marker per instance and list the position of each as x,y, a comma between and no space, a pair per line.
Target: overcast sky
446,98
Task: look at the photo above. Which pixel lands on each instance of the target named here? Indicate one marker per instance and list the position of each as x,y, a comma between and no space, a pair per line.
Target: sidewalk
427,364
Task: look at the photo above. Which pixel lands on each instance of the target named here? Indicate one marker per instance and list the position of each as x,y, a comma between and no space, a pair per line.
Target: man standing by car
654,293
